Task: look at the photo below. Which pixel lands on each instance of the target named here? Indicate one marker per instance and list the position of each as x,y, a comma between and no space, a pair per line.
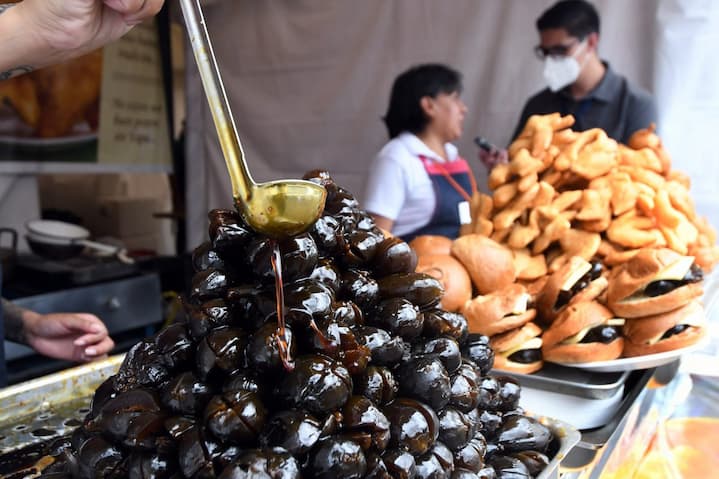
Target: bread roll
633,291
518,350
490,264
644,335
566,339
431,244
500,311
452,275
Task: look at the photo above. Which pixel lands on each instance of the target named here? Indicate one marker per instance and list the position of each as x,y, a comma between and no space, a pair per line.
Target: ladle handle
219,106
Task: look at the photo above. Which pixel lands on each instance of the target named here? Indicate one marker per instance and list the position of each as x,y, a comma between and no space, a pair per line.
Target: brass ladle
277,208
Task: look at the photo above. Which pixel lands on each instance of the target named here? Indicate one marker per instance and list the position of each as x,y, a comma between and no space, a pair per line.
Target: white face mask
562,71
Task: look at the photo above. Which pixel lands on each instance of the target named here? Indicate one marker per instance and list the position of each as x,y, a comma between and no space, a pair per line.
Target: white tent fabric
309,80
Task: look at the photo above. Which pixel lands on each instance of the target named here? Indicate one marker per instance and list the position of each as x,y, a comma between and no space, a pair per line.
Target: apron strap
435,165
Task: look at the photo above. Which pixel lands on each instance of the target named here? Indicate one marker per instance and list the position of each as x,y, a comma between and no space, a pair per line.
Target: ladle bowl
277,208
282,208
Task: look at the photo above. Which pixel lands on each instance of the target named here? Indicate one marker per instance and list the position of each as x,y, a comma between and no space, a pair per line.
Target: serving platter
632,364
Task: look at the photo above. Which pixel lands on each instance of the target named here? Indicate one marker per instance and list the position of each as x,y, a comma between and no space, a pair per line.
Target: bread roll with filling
682,327
501,311
583,332
518,350
654,281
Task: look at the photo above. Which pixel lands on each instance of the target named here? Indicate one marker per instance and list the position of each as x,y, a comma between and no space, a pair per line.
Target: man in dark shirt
579,82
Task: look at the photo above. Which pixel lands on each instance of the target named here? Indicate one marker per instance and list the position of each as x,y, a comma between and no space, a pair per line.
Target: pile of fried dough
572,201
566,193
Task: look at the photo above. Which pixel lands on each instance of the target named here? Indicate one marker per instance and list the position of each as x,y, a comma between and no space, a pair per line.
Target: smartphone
484,144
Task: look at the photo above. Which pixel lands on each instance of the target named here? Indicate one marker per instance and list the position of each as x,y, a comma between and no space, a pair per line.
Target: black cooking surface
34,275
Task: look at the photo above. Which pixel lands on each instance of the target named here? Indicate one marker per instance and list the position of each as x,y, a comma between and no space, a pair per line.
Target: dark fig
228,233
273,463
377,384
327,273
337,457
445,349
464,387
359,287
236,416
203,318
508,467
400,464
414,426
175,346
455,429
399,317
186,394
420,289
299,257
361,418
209,284
205,257
393,256
425,379
221,351
327,233
293,430
143,366
318,384
509,392
477,349
438,323
97,458
471,455
523,433
386,350
263,353
535,461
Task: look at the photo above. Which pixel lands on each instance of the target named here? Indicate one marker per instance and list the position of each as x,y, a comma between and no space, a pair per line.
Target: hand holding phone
484,144
490,155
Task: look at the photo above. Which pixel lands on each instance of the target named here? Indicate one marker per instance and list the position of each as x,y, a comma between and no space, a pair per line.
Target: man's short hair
577,17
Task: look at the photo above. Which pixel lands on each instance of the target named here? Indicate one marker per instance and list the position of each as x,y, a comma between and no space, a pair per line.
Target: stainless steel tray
53,405
568,437
571,381
50,406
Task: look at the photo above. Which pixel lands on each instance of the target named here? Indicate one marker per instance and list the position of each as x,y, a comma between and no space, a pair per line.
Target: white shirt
399,188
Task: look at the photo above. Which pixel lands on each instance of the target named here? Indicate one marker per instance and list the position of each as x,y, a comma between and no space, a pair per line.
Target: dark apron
445,218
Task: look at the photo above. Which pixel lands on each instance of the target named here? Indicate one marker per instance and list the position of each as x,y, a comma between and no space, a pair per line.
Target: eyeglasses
555,50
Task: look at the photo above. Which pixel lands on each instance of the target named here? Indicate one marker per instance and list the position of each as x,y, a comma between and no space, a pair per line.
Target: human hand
79,337
493,157
83,25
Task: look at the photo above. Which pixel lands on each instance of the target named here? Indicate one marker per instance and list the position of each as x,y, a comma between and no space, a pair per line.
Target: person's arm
37,33
72,336
385,191
13,321
383,222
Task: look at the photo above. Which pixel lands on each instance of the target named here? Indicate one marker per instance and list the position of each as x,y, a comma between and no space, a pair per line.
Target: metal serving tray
568,437
52,406
46,408
571,381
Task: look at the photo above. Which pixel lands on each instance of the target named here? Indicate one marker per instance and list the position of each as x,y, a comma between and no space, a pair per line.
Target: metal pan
59,240
46,404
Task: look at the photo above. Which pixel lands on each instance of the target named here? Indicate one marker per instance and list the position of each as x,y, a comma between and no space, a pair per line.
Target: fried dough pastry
54,99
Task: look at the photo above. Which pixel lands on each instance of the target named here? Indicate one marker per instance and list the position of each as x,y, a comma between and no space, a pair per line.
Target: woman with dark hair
418,184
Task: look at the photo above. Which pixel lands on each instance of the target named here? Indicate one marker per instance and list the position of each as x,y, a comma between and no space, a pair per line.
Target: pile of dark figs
369,378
